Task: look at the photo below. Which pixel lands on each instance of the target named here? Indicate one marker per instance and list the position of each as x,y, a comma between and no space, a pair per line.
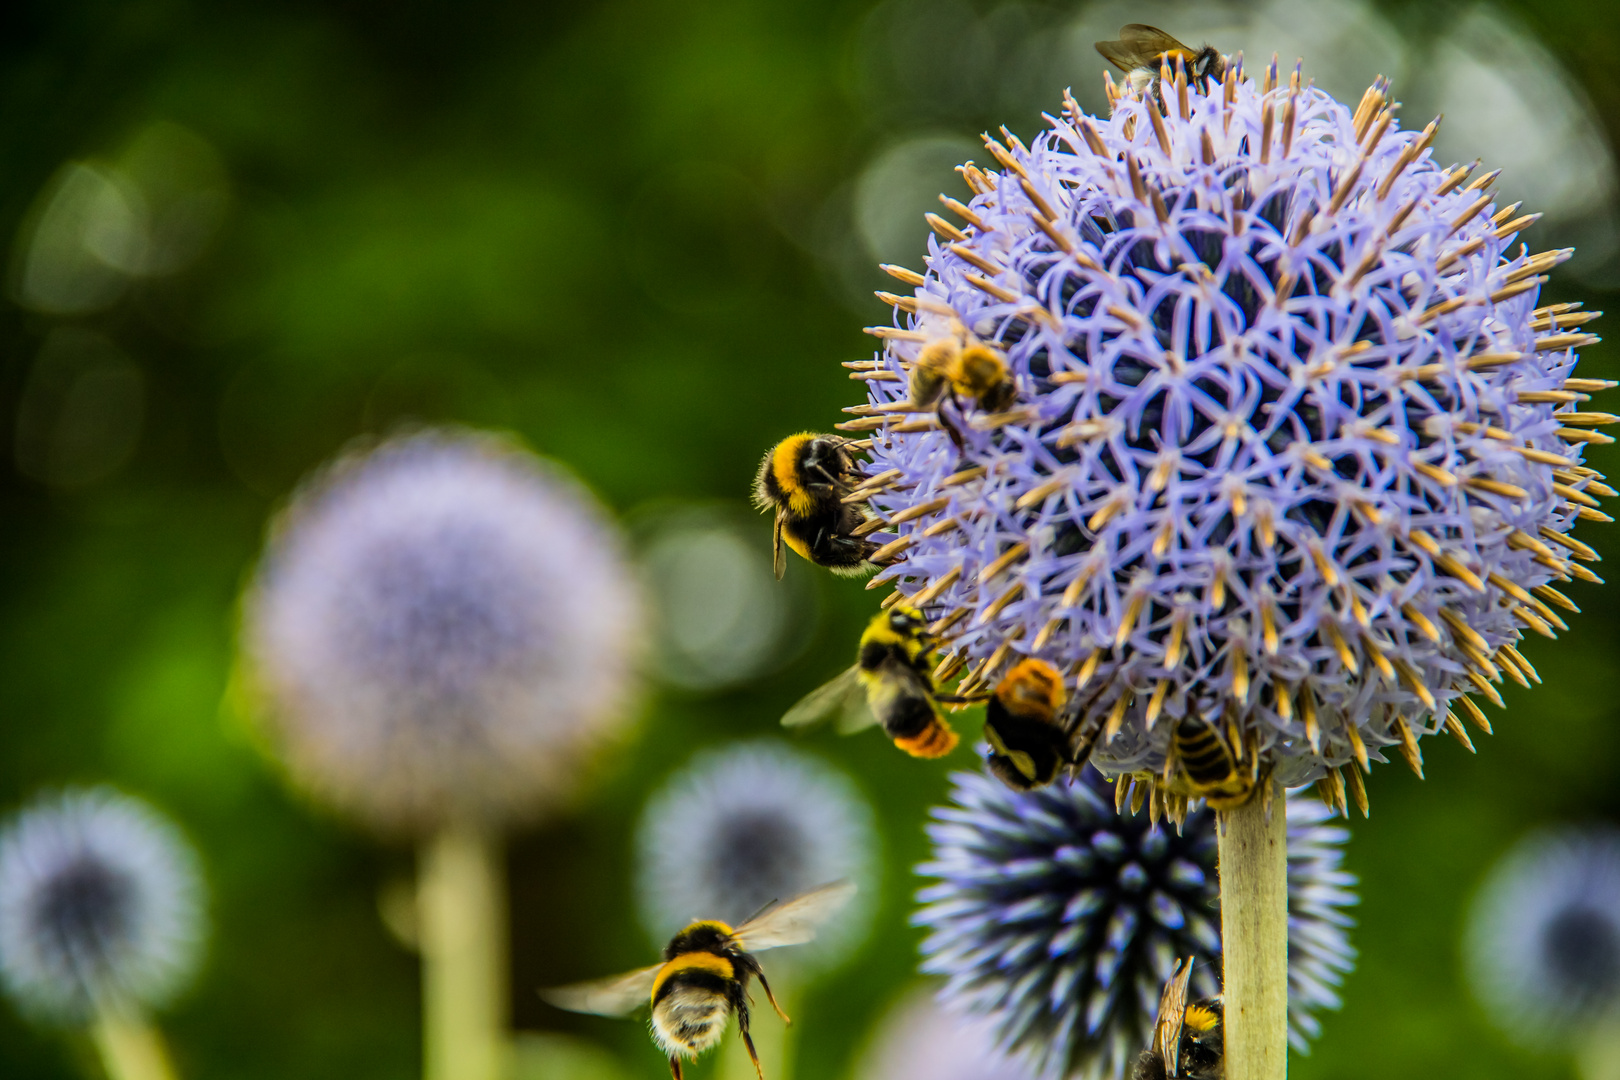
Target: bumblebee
1187,1039
803,479
891,684
1025,725
703,977
975,372
1141,49
1201,765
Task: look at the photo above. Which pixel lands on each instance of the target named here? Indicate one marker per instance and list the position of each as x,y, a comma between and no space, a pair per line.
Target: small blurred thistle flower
1292,449
740,827
918,1040
101,906
1060,920
444,626
1543,938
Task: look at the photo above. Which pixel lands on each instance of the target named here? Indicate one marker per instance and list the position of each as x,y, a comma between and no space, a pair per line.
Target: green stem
1254,937
462,907
130,1048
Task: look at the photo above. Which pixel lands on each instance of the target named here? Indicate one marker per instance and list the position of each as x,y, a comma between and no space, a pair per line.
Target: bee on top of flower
1290,456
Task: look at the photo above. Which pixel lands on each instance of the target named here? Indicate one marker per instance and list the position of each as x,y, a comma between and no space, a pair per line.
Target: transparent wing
1172,1013
1138,44
793,922
613,996
778,554
822,703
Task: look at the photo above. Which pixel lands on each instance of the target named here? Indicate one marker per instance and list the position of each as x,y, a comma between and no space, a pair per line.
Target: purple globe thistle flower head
1060,920
101,906
1284,443
742,826
443,626
1543,938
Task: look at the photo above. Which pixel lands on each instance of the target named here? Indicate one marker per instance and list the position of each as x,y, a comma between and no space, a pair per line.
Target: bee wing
613,996
1172,1014
1138,44
793,922
778,555
841,694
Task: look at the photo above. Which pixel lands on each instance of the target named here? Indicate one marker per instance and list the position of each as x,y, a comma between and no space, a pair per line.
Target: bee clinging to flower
703,977
804,479
890,684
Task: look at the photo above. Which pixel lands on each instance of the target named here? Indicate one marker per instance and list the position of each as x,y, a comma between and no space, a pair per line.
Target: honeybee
891,683
1187,1039
1141,49
803,478
1201,765
1025,725
703,977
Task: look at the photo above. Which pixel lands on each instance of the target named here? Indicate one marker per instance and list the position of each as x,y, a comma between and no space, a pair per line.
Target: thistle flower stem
1599,1056
1254,938
130,1048
463,911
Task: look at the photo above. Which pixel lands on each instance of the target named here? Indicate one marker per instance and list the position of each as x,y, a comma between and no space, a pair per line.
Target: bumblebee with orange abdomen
703,977
891,684
804,479
1027,726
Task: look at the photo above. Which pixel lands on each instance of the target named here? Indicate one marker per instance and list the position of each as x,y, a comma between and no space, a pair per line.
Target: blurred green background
641,234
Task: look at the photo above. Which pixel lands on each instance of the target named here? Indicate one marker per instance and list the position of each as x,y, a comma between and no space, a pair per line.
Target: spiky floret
744,825
1293,449
1060,921
101,906
443,628
1543,939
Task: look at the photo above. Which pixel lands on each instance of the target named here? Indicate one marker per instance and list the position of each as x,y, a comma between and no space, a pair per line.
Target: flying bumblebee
803,478
1141,49
1187,1039
1028,730
703,977
891,684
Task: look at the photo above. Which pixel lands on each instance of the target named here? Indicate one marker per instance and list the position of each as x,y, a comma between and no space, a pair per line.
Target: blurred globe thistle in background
919,1040
1543,937
101,907
1060,921
740,827
444,627
1291,448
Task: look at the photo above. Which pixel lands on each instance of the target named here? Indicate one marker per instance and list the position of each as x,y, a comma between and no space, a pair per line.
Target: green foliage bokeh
619,229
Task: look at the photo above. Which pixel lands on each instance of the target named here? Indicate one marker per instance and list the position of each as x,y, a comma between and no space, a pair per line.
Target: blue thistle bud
443,627
740,827
100,906
1282,440
1543,938
1060,920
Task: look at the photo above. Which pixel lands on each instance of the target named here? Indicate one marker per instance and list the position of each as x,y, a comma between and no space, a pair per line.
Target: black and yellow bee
1188,1043
804,478
974,371
891,684
1027,728
1141,50
703,977
1201,765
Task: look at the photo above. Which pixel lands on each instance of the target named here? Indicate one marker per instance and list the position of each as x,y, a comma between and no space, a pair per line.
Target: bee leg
748,1040
771,997
951,429
675,1067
